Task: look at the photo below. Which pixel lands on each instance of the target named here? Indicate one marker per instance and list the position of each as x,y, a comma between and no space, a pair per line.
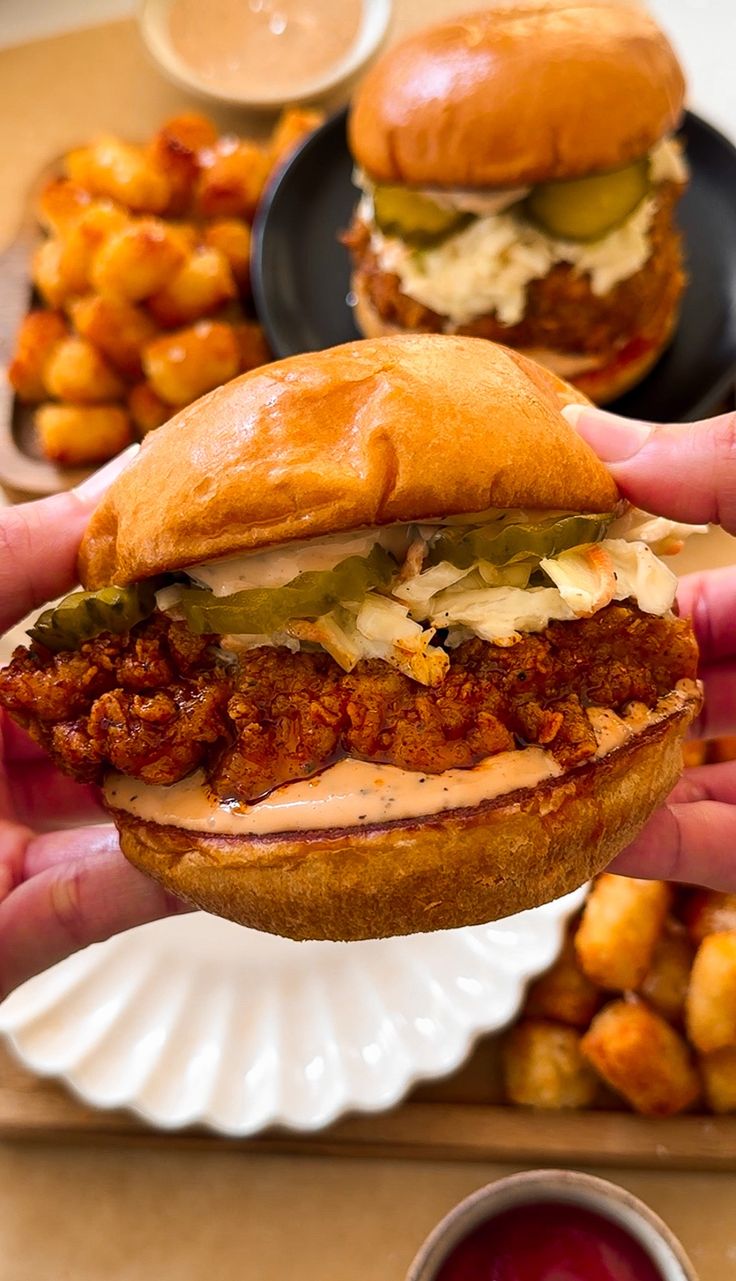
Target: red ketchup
548,1242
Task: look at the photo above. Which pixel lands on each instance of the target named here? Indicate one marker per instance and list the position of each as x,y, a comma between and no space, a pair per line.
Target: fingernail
95,485
614,439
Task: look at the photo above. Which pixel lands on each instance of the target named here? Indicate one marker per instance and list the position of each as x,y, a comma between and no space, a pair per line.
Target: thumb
684,471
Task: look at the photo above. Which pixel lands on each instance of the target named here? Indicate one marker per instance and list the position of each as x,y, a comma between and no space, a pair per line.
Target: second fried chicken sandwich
367,646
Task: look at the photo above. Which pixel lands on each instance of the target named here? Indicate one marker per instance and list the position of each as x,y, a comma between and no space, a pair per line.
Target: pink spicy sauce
549,1241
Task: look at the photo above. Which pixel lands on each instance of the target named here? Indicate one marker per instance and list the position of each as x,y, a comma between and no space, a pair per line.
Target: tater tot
39,334
126,173
252,345
544,1068
564,993
60,204
202,284
118,328
666,982
184,365
82,240
233,239
719,1079
643,1058
47,276
137,261
292,125
77,372
232,178
710,1009
175,151
709,912
80,435
693,753
621,923
722,749
147,409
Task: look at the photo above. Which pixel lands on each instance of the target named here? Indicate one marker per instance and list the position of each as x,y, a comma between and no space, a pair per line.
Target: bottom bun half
599,378
461,867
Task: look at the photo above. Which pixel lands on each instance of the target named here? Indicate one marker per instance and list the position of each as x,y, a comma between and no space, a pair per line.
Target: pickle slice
265,610
500,546
83,615
413,216
588,208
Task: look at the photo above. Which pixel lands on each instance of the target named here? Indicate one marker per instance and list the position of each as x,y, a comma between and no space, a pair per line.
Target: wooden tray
458,1119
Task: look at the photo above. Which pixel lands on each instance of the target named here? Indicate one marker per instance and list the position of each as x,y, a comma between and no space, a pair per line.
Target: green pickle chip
500,544
588,208
264,610
413,216
83,615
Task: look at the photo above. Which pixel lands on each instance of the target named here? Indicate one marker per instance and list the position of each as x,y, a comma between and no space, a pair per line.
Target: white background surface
704,32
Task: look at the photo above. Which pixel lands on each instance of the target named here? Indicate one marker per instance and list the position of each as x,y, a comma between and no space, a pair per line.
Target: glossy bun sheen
518,94
389,430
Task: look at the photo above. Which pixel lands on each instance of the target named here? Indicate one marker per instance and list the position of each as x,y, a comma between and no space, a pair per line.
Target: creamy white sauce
357,793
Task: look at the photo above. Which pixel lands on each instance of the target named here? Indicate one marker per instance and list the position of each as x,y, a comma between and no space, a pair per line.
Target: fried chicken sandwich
368,645
519,179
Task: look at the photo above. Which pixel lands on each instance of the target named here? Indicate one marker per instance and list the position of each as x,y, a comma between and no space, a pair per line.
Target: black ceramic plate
301,272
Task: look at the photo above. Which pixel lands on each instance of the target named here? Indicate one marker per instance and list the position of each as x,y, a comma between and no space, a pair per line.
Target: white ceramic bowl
153,18
568,1186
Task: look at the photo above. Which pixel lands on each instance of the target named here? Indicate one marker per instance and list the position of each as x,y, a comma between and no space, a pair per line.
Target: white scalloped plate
194,1020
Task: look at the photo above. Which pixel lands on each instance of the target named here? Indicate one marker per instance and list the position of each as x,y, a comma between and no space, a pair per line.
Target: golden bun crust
398,429
600,383
459,868
519,93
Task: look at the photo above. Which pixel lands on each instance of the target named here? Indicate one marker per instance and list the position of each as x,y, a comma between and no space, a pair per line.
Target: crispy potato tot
186,235
47,276
710,1009
174,150
232,178
232,237
642,1058
709,912
719,1079
184,365
80,244
252,345
118,328
111,167
80,435
617,935
292,125
666,982
39,334
564,993
544,1068
201,285
77,372
137,261
722,749
147,409
693,753
60,204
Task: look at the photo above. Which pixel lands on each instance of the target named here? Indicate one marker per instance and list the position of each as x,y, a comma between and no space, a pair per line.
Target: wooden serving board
458,1119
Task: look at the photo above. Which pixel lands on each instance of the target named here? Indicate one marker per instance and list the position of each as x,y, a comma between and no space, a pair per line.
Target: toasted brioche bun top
387,430
520,93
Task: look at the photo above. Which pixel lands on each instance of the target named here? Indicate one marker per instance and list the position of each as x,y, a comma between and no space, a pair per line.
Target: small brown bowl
570,1187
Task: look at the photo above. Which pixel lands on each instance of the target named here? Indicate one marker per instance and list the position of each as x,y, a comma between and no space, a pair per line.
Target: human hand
61,886
687,473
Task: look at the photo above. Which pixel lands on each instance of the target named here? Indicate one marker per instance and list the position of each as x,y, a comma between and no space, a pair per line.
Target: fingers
709,601
718,714
82,896
39,542
692,838
44,799
685,471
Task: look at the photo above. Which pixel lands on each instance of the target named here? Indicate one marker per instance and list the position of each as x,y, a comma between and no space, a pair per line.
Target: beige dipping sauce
265,48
